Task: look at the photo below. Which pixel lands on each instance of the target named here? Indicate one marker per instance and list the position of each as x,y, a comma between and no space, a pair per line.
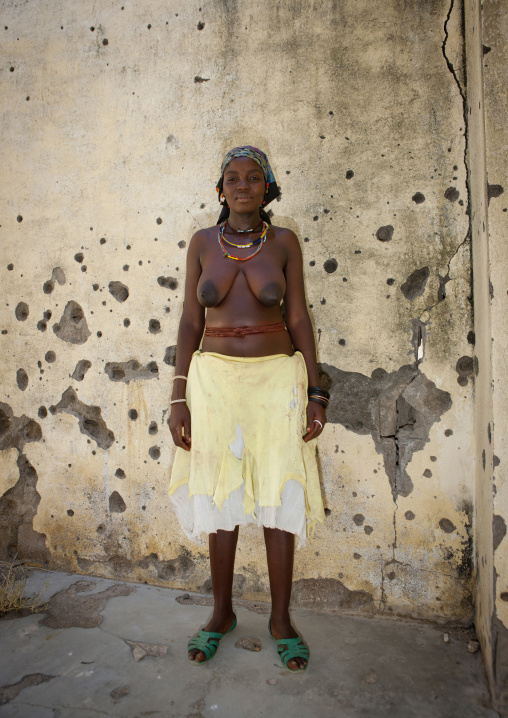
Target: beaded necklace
260,241
244,231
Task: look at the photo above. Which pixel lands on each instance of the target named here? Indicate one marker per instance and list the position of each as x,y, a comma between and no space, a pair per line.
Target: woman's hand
180,419
315,414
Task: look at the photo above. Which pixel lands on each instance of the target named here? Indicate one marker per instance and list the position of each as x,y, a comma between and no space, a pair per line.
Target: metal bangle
177,401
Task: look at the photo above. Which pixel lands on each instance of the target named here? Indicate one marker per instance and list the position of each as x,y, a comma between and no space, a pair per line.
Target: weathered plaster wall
114,121
487,71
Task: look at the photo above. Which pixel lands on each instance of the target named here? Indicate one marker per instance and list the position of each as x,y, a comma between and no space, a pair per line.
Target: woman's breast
268,290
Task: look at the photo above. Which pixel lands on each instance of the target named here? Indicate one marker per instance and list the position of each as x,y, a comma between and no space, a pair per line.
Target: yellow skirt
248,461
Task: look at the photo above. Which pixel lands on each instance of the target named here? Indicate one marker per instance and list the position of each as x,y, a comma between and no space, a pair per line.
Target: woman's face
244,185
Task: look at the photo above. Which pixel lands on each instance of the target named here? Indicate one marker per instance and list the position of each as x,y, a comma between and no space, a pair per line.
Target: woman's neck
244,222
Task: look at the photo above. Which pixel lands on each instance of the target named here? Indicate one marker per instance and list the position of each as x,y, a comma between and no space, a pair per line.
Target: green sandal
289,648
207,642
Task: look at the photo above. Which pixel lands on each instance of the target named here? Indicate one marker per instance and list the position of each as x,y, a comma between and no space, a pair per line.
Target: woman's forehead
242,163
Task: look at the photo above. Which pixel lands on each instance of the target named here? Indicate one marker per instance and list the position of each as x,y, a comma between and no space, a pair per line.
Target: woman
253,419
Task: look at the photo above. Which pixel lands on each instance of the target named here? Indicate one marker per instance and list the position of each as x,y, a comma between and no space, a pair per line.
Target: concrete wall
114,121
487,73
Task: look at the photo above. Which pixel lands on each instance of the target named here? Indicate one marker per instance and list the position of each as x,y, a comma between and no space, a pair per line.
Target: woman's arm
300,327
190,332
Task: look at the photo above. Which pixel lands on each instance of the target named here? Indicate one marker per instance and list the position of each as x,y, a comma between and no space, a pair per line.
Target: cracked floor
115,649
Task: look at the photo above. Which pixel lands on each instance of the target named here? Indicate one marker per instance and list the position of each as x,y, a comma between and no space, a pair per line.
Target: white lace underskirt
198,514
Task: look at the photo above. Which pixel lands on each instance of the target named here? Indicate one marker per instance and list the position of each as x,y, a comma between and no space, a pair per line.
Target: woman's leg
280,549
222,563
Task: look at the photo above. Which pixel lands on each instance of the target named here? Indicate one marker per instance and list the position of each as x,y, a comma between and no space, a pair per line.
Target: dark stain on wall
81,369
22,311
72,326
328,593
464,369
18,505
330,266
498,530
167,282
22,379
119,291
131,371
415,284
170,355
447,526
452,194
397,409
384,234
180,567
494,190
500,665
116,503
418,198
89,418
154,326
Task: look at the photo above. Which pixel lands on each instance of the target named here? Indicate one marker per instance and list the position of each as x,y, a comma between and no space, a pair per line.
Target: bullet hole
312,263
504,595
158,220
384,234
105,41
182,243
95,287
330,266
495,461
133,414
128,246
50,357
130,371
21,312
167,282
328,512
344,279
198,79
149,26
447,526
11,69
72,326
471,338
22,379
390,281
322,137
409,515
10,267
452,194
464,368
154,452
170,355
415,284
418,198
70,512
358,519
323,301
19,218
4,331
342,342
357,556
153,428
81,369
315,218
126,322
152,367
118,290
427,473
448,432
83,268
358,251
116,504
154,326
27,98
92,29
201,25
368,530
350,174
90,419
306,239
120,474
79,256
42,412
494,190
125,267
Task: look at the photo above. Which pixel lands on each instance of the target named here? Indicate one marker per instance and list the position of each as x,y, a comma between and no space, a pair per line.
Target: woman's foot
281,628
218,624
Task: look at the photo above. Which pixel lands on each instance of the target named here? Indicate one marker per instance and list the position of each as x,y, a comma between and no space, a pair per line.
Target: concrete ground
78,660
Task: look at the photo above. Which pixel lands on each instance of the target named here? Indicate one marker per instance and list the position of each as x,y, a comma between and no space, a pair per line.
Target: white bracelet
179,376
176,401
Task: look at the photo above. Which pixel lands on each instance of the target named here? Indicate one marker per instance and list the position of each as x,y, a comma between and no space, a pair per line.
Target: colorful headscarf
262,160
